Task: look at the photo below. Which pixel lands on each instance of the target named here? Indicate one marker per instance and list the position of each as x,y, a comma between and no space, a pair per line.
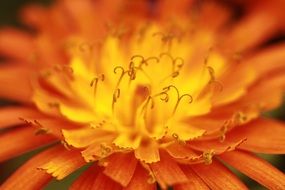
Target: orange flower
149,92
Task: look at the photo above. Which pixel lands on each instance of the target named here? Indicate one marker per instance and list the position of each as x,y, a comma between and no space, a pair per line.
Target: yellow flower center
135,92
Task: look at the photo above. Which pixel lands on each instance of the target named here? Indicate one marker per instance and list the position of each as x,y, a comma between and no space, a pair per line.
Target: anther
177,63
179,98
208,156
116,95
41,131
95,81
151,178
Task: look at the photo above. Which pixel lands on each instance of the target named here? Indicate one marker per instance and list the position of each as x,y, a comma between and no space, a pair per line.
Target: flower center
141,89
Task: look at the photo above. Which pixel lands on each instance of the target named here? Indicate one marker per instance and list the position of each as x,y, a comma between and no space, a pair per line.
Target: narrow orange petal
273,55
28,177
17,141
256,168
139,180
121,167
16,44
167,172
239,40
15,82
86,180
63,164
263,136
217,176
167,9
195,182
10,116
217,145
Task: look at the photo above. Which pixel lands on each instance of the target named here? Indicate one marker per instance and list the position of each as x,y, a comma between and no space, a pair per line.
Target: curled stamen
123,72
167,38
151,178
177,63
179,98
116,96
143,61
94,82
212,74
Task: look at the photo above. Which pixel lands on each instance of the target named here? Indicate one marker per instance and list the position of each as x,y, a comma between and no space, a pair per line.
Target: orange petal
121,167
17,141
167,172
256,168
86,180
217,145
195,182
104,182
63,164
15,79
28,177
9,116
177,150
139,180
167,9
217,176
263,136
239,38
269,59
16,44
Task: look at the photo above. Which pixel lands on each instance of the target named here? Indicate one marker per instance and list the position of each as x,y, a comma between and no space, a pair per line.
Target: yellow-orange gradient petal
217,176
256,168
63,164
17,141
28,176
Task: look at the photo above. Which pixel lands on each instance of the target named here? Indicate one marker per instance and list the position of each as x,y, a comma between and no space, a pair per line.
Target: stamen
165,38
53,104
105,149
41,131
177,63
65,69
116,95
143,61
213,78
86,47
66,146
208,155
94,83
123,72
26,121
179,98
151,179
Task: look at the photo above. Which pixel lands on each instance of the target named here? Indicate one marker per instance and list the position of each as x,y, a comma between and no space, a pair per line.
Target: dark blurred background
9,17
